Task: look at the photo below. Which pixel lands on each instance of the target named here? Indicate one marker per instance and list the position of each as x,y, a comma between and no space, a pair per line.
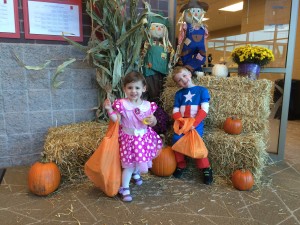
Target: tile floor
162,200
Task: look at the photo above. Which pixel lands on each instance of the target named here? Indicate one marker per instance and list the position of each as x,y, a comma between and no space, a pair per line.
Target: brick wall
28,103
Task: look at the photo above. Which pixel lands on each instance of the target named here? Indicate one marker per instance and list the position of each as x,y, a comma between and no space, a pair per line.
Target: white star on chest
189,96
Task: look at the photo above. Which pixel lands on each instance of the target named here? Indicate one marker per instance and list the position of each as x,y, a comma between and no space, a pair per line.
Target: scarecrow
157,54
192,35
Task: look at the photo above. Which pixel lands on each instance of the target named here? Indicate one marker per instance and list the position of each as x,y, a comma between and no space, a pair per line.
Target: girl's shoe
138,181
125,197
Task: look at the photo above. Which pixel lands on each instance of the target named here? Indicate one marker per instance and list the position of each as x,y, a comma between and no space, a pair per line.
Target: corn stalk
115,44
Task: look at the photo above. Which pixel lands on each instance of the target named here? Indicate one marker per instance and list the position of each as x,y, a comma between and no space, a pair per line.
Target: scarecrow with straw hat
157,54
192,35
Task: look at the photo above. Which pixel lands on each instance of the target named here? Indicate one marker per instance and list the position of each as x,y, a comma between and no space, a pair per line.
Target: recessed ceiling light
234,7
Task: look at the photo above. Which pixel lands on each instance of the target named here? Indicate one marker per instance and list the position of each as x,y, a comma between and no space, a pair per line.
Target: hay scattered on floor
248,100
70,146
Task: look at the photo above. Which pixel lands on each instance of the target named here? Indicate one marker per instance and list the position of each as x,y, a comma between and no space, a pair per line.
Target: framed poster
9,19
51,19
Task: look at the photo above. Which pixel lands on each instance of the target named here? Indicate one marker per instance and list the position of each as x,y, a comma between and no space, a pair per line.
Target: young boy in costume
191,101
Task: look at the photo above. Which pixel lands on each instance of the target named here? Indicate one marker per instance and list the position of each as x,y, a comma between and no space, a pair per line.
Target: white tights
126,177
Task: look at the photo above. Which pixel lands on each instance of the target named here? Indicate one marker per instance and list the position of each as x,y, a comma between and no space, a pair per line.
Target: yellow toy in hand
146,121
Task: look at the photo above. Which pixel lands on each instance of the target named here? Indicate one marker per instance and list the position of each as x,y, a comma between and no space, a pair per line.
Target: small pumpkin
233,125
242,180
220,70
164,164
43,178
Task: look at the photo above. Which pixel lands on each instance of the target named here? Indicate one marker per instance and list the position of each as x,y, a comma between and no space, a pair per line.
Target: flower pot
250,70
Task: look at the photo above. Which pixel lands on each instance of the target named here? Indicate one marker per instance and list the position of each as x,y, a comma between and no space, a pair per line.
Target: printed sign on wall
50,20
9,19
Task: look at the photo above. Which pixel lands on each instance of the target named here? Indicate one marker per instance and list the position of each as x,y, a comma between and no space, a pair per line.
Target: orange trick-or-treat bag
191,144
103,168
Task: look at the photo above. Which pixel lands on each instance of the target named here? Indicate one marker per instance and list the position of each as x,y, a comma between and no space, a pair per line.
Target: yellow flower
252,54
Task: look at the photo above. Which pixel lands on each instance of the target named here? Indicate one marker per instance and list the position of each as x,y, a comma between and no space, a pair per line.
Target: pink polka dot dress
139,143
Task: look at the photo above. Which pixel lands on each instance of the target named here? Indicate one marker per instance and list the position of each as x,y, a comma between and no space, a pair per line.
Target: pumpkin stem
44,158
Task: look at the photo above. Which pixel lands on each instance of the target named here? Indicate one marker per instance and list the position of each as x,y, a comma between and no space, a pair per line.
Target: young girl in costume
139,143
190,101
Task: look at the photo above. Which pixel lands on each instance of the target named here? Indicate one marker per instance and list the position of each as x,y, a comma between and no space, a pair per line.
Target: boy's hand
181,123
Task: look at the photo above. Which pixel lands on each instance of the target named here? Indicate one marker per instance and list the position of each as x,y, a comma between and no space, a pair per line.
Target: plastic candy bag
191,144
103,168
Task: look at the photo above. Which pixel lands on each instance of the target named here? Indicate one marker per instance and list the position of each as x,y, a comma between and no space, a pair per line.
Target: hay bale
247,99
71,145
230,152
250,100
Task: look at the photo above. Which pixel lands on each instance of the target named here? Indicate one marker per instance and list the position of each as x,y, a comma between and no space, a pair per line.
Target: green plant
252,54
115,44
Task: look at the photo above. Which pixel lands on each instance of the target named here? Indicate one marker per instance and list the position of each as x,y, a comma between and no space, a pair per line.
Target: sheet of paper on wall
53,18
7,17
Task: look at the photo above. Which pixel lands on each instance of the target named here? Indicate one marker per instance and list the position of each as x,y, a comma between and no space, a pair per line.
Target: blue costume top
194,43
189,100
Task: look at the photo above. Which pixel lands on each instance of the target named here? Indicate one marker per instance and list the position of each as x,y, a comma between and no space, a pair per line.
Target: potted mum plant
250,59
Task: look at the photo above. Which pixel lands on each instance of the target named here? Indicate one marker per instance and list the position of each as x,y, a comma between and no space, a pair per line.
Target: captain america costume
187,104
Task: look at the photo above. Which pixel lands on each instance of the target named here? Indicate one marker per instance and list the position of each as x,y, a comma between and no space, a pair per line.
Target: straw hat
195,4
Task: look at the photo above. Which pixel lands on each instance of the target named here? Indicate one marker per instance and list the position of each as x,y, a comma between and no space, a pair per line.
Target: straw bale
71,145
247,99
235,96
230,152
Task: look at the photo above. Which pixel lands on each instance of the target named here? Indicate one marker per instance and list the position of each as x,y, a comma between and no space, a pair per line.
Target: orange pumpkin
164,164
242,180
43,178
233,125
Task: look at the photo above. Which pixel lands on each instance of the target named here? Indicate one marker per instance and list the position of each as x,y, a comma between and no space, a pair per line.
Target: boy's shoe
178,172
208,176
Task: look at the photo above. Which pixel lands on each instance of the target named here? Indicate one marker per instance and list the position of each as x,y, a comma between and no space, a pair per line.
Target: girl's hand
107,105
150,120
111,113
